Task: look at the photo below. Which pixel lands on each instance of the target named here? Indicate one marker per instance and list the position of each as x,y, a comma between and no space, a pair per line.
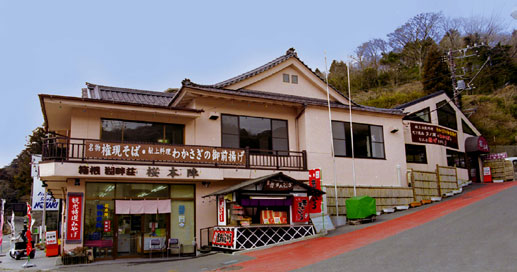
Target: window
368,140
286,77
416,154
446,115
254,132
420,116
294,79
456,159
466,128
133,131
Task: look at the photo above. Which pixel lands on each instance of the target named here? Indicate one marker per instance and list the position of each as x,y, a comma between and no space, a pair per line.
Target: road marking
304,253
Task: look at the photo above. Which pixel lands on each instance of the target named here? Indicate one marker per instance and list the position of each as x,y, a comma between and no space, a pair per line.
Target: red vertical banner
74,214
315,181
221,211
300,209
28,233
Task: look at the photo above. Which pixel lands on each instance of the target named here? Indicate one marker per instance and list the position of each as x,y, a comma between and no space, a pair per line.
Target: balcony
65,149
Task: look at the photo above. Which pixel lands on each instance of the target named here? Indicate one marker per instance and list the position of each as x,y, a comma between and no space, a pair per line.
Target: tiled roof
286,98
424,98
117,94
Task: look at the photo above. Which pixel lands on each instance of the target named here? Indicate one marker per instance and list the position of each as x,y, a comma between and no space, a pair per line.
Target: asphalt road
479,237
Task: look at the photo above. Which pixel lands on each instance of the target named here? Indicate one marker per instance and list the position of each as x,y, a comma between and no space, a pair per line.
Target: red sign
300,209
28,234
107,225
221,211
430,134
315,181
483,144
223,238
75,209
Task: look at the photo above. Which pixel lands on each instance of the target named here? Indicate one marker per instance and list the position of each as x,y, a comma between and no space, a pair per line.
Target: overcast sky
54,47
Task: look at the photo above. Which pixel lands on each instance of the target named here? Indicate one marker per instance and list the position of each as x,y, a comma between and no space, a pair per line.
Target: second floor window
368,140
254,132
143,132
446,115
420,116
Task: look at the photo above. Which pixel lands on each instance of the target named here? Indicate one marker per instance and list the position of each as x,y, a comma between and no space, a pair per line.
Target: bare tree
489,29
413,38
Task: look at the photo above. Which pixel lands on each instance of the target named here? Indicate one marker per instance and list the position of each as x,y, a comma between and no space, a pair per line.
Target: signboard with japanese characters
168,153
74,218
300,209
430,134
51,237
223,238
221,211
278,185
315,182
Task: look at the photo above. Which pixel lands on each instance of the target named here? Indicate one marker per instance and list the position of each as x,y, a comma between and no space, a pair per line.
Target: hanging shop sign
221,211
496,156
74,218
167,153
300,209
278,185
223,238
38,191
430,134
315,182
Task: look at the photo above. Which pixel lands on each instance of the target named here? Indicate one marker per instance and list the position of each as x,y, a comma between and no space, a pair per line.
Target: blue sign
181,209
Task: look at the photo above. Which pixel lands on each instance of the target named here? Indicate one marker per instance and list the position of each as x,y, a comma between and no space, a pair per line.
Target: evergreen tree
436,75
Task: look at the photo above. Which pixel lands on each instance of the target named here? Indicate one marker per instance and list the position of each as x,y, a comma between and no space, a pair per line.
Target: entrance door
473,167
129,235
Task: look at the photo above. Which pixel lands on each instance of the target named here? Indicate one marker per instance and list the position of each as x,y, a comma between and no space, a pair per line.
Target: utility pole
459,85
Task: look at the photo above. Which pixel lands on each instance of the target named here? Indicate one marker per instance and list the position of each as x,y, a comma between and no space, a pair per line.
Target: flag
28,233
2,222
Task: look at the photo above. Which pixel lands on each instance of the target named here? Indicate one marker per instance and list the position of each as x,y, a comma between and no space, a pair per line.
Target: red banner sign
315,181
430,134
223,238
300,209
107,225
74,216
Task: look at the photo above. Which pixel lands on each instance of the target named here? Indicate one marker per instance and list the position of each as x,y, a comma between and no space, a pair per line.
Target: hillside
494,114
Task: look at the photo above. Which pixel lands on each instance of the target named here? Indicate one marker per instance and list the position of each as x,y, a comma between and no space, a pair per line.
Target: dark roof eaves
93,100
288,98
418,100
129,90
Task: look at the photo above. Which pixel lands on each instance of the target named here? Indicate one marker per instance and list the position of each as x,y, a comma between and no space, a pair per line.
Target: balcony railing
67,149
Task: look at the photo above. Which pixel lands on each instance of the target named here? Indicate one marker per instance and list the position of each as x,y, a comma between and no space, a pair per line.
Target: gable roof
416,101
280,175
290,53
283,97
126,95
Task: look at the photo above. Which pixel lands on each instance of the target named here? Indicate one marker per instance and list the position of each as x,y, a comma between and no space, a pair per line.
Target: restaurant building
136,167
438,133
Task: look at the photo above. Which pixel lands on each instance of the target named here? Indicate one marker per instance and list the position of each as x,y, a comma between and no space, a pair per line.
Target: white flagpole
351,129
331,136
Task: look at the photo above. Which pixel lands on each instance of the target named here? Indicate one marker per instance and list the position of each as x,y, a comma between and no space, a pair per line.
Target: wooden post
413,183
438,180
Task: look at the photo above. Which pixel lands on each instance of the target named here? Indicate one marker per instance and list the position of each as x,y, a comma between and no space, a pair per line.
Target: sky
54,47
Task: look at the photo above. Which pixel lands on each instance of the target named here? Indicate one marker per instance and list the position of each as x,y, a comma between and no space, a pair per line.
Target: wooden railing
75,149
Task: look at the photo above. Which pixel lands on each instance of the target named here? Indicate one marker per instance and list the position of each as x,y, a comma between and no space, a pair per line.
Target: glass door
129,238
156,227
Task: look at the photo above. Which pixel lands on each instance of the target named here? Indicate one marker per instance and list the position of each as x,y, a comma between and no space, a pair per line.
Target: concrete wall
317,143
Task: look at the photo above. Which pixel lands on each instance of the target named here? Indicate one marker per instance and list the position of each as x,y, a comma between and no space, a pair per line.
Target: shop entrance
134,233
473,167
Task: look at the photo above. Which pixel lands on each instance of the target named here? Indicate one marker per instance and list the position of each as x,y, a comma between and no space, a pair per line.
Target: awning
277,176
142,206
476,144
